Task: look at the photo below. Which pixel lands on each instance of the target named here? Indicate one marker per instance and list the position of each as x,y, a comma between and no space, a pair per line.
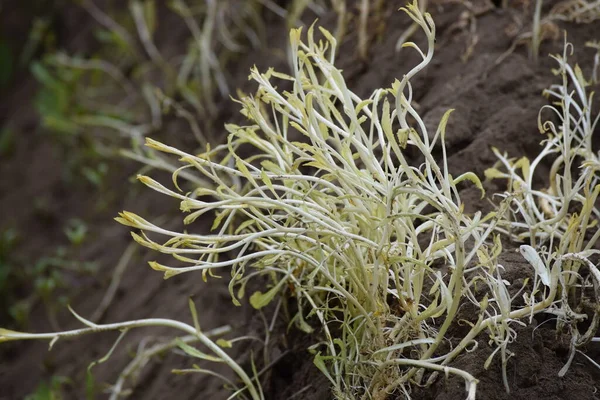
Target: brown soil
496,105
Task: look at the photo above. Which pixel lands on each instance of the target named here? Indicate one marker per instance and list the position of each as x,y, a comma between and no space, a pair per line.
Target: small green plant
76,230
51,390
48,278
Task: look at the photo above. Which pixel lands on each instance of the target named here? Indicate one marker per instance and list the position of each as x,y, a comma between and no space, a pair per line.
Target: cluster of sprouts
559,223
318,199
329,209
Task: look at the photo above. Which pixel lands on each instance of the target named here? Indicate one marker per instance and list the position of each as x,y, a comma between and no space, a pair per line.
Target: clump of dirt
496,104
532,372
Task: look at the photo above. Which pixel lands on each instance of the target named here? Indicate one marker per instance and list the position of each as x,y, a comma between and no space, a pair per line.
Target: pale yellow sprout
328,204
560,222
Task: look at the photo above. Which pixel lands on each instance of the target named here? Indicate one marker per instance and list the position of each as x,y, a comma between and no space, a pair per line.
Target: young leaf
536,262
226,344
258,300
493,173
192,351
